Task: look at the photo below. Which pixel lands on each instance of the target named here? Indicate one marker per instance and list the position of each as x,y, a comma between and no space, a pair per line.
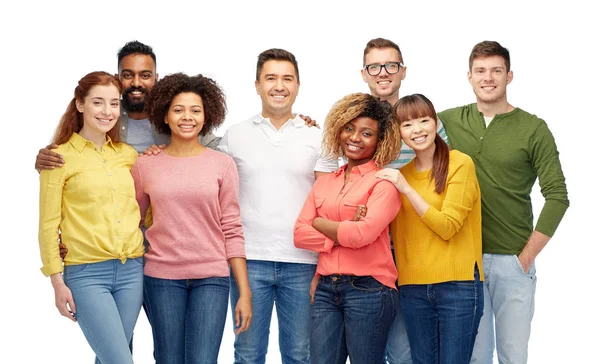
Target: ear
256,84
469,75
403,73
79,106
363,72
509,77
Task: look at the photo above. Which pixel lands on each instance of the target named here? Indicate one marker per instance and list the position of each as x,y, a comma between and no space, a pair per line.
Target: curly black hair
165,90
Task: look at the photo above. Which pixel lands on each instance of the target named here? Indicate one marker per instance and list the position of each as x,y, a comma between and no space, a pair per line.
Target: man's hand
154,149
47,159
309,122
63,250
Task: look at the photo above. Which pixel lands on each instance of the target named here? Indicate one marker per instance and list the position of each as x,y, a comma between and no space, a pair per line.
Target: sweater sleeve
141,196
52,182
231,222
305,235
551,179
382,207
462,191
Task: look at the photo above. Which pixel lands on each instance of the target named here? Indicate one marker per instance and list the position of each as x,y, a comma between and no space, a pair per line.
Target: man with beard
137,73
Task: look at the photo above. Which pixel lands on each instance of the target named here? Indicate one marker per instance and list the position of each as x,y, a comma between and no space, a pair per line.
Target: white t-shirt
276,170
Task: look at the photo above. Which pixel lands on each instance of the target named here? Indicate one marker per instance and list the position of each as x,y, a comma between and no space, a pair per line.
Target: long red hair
72,120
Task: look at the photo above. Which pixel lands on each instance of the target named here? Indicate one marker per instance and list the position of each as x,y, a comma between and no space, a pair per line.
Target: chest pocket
349,206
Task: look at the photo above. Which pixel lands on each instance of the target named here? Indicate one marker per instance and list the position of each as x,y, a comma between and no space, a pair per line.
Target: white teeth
279,96
384,82
419,139
353,148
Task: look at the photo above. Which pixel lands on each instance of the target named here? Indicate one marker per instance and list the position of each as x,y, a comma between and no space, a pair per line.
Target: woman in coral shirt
354,302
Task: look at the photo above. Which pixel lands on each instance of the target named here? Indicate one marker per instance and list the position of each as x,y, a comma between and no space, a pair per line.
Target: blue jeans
397,350
509,304
187,318
442,319
108,298
287,285
351,316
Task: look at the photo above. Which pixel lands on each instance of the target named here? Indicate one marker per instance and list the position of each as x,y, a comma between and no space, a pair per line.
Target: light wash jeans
351,317
286,285
187,317
508,305
397,350
108,298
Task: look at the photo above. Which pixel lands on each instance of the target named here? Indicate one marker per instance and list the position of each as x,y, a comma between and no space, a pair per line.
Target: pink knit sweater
196,222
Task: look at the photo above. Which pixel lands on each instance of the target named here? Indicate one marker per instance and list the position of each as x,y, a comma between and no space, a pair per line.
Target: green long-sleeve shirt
509,155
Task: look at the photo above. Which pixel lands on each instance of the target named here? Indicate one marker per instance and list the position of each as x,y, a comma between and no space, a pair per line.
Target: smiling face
489,77
278,87
359,138
185,116
100,109
137,73
419,133
384,85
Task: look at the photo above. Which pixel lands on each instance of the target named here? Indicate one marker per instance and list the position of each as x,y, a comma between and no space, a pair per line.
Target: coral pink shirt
365,244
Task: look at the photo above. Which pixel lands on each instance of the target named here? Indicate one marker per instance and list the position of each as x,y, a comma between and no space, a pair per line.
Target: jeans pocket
519,267
74,269
366,283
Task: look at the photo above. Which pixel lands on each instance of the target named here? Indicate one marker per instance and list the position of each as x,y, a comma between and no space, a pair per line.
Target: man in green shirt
511,149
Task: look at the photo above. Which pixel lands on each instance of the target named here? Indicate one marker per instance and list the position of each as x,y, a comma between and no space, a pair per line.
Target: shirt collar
79,142
296,120
362,169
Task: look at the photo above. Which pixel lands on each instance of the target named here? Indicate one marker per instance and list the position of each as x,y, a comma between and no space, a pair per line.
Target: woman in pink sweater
356,295
196,233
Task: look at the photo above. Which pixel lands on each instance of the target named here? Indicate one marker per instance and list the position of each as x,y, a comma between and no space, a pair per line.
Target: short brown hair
380,43
489,48
166,89
277,55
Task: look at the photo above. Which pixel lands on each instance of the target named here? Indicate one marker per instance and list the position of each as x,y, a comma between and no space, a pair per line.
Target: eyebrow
276,74
132,71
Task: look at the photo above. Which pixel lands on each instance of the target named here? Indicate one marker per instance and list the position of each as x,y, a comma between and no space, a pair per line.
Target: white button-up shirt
276,170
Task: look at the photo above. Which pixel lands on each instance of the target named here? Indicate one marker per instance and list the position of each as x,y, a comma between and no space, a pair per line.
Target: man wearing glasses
383,71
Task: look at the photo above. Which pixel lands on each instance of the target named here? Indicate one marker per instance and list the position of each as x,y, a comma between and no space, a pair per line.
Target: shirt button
480,138
117,205
118,221
119,237
104,161
114,189
123,128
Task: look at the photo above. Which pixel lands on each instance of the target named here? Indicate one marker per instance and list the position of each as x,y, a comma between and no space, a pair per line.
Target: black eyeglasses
392,68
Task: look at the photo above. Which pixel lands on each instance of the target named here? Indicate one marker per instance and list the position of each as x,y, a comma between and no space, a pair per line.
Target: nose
106,109
355,136
187,115
279,84
136,81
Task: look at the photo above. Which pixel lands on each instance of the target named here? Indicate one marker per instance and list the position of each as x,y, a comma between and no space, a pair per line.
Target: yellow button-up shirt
91,201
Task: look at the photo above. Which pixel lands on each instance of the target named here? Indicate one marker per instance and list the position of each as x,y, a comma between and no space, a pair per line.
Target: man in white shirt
278,159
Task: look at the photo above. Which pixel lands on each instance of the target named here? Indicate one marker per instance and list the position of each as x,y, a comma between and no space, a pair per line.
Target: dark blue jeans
187,318
442,320
351,316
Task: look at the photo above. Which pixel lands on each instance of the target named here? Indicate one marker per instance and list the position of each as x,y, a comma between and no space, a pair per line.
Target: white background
46,47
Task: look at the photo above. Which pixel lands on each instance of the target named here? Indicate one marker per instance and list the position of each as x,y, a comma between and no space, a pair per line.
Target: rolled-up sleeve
305,235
